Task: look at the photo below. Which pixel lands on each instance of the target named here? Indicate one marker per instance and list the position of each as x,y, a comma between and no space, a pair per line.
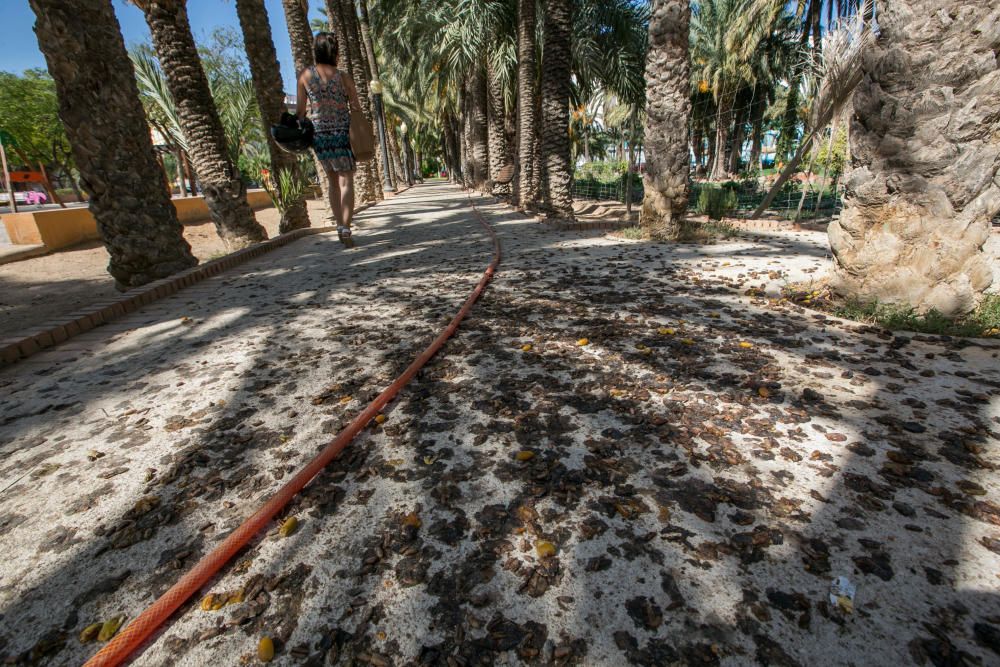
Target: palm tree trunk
301,38
628,169
527,110
300,35
495,117
476,99
270,94
80,197
723,124
113,151
710,134
815,14
399,175
452,145
225,193
413,169
468,168
924,187
364,28
343,18
510,135
556,84
807,183
739,134
192,189
697,146
667,115
826,164
181,189
757,132
167,185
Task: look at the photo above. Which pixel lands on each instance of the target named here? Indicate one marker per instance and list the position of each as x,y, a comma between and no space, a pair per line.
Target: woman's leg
335,197
346,186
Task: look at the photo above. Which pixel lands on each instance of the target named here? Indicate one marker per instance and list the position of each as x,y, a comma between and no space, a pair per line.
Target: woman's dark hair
325,49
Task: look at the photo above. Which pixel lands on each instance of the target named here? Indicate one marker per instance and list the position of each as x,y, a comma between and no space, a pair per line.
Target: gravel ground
679,488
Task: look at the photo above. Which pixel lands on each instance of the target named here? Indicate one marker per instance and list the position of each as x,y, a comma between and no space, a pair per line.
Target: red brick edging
577,226
22,346
749,225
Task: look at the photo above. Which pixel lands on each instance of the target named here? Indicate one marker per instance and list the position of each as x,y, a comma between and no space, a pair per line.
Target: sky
19,49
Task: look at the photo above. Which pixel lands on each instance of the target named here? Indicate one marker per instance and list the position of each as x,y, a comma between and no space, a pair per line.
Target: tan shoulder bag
362,137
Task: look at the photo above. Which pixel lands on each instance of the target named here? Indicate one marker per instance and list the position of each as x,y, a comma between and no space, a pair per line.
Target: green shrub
983,321
604,172
632,233
284,187
833,158
716,202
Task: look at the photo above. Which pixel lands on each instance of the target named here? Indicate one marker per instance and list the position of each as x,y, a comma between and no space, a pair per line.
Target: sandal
344,234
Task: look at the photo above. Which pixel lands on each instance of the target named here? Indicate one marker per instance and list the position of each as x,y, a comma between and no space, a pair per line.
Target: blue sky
19,50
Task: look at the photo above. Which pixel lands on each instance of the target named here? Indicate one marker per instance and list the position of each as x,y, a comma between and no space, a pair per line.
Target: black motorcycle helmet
293,135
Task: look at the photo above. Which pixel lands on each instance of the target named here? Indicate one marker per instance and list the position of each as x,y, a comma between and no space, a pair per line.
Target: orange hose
136,632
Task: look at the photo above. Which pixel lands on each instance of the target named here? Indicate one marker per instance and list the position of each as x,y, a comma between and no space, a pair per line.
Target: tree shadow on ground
223,452
677,493
707,528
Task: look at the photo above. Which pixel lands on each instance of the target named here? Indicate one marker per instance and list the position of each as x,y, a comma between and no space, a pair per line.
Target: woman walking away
332,96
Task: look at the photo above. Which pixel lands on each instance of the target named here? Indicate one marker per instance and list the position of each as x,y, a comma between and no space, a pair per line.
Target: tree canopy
29,113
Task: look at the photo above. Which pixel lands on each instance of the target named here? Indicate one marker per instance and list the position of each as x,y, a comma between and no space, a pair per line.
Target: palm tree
234,98
838,70
454,43
161,113
364,25
476,97
740,62
925,181
723,62
224,190
114,153
556,83
667,114
344,21
270,96
808,14
301,38
299,34
527,112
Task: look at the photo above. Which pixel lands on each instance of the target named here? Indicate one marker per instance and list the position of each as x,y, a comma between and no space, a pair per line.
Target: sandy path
698,493
34,291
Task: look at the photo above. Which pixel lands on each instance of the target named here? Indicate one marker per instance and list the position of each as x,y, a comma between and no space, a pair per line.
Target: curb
27,253
558,225
21,346
760,225
587,226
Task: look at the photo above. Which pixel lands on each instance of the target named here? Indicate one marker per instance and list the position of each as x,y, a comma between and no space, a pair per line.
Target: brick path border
21,346
577,226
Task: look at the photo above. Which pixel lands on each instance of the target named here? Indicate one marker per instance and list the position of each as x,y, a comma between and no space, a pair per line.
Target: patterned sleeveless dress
330,112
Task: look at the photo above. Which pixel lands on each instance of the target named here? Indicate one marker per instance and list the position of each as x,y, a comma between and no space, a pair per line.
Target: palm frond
156,98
